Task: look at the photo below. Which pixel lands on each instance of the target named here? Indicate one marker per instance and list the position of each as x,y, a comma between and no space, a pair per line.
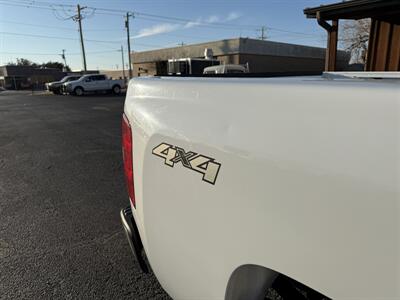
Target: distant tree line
49,64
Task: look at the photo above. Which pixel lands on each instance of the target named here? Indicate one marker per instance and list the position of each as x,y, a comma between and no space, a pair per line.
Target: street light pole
63,57
263,36
128,15
123,62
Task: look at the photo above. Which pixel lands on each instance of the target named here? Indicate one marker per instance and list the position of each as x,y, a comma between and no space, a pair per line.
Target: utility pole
63,57
123,62
79,19
263,36
128,15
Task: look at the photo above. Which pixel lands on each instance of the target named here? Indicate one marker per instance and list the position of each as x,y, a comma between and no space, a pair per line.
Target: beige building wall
115,74
262,56
143,69
156,68
257,64
268,63
229,59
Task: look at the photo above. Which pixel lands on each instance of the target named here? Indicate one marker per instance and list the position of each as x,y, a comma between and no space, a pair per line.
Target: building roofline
186,46
223,40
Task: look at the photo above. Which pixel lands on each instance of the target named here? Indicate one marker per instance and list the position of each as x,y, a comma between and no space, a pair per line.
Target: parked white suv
93,83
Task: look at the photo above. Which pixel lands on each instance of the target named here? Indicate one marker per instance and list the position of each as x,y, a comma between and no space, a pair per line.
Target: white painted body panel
308,187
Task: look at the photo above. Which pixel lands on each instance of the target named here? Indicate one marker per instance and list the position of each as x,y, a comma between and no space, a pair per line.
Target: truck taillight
128,157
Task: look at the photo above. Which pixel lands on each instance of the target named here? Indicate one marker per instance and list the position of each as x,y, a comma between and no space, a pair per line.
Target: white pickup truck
242,187
93,83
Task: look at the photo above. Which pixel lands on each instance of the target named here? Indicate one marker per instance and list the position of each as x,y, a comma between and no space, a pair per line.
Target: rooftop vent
208,53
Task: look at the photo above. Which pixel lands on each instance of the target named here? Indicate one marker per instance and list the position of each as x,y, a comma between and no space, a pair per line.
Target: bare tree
355,36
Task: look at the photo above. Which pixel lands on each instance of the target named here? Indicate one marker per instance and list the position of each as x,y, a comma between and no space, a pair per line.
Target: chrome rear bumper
132,234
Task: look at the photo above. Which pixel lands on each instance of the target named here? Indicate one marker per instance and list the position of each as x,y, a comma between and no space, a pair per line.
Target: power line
118,12
109,14
72,39
57,9
29,5
141,15
54,27
25,53
192,24
59,17
53,37
37,25
51,6
289,31
175,19
57,54
38,36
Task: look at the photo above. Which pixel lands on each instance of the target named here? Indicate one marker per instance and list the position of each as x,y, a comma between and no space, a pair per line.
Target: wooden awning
384,46
387,10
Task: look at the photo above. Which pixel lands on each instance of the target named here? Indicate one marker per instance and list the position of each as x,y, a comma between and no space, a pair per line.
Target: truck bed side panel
308,183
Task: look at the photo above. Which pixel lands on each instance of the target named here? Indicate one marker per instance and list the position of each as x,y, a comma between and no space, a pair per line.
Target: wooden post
331,49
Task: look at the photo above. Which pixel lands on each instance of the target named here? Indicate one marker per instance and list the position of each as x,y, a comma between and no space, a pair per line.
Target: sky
40,29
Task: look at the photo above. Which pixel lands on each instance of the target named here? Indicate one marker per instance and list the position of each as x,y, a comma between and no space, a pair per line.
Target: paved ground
61,188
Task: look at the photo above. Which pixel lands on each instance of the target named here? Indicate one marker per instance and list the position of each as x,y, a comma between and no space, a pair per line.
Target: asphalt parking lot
61,189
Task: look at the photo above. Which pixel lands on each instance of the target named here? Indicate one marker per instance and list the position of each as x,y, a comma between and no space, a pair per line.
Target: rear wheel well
254,282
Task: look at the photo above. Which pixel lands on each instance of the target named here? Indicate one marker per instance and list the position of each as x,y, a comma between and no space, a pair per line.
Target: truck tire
78,91
116,89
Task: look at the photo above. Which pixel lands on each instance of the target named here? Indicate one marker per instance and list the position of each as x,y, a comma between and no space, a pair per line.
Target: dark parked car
56,86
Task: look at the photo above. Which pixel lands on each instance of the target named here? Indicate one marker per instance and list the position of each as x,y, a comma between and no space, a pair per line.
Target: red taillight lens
127,157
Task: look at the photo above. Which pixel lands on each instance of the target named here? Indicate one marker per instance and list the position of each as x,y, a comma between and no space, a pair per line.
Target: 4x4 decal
191,160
